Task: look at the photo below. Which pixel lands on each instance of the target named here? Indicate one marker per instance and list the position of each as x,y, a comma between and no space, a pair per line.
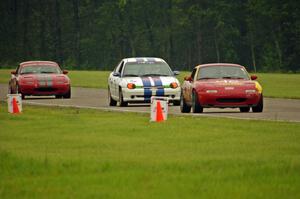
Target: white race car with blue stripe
135,80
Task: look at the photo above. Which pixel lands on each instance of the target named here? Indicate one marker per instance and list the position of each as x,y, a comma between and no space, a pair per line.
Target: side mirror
253,77
188,78
116,74
175,72
65,72
13,72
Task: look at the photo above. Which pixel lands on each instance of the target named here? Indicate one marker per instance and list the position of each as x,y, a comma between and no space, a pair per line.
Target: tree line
263,35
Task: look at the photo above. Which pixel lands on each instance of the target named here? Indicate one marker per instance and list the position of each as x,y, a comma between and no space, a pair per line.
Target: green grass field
72,153
274,85
280,85
92,79
4,75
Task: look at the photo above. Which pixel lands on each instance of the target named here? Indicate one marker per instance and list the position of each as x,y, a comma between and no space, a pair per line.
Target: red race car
40,78
223,86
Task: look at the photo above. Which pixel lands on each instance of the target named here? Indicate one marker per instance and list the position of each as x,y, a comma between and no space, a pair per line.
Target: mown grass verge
274,85
78,153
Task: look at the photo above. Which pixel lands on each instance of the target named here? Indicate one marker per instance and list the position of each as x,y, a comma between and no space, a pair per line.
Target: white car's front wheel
122,103
111,101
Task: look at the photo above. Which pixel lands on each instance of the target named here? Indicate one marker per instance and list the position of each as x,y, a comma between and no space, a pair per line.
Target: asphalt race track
274,109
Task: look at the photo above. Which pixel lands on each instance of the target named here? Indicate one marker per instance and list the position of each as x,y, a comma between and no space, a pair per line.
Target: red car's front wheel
68,94
196,106
184,108
260,106
245,109
16,91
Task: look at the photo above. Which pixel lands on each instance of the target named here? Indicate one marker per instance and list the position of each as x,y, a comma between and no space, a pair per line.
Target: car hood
155,81
41,79
42,76
220,83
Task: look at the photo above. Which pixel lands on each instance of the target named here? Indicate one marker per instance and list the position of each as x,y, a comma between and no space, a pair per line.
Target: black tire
260,106
58,96
121,100
18,92
14,91
196,106
9,90
17,89
111,101
68,94
176,102
244,109
184,108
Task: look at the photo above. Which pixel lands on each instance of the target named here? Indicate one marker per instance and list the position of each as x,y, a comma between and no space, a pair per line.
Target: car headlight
174,85
131,86
211,91
28,82
258,87
250,91
62,80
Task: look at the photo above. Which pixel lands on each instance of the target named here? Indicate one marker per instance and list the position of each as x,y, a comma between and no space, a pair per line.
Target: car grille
45,89
231,100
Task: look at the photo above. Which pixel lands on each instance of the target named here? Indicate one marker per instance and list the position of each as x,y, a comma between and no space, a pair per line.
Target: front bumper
140,95
40,91
229,100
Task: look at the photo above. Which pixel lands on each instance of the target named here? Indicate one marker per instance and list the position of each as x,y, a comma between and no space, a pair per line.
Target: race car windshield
222,72
36,69
146,69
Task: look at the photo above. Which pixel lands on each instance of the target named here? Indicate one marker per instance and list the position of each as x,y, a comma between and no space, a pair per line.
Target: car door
114,80
118,78
111,82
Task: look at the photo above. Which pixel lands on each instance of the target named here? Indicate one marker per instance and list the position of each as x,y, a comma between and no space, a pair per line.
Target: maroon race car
40,78
223,86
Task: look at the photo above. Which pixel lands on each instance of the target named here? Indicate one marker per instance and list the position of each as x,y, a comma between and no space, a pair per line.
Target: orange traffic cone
159,112
15,106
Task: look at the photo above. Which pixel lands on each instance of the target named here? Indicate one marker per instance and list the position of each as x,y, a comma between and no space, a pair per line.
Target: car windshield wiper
130,75
232,77
208,78
46,72
154,75
238,78
226,77
26,73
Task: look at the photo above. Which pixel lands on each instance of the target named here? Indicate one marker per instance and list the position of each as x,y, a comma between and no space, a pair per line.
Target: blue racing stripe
147,89
158,83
